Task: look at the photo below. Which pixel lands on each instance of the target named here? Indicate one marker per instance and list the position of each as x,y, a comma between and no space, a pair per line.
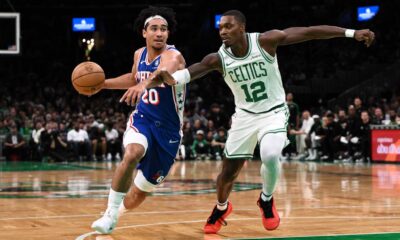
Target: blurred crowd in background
42,117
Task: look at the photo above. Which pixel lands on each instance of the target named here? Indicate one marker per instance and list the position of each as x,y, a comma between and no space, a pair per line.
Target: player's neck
241,48
152,53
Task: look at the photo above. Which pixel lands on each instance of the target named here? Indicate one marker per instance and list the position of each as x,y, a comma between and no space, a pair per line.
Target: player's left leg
271,146
136,194
153,168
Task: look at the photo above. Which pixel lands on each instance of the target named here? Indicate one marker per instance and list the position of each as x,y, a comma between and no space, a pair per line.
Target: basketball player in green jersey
248,63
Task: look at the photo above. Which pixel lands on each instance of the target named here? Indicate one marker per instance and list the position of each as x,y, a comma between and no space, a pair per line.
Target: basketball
88,78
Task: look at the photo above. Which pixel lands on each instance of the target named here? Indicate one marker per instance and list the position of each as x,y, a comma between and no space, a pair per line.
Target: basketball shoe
217,219
106,224
269,215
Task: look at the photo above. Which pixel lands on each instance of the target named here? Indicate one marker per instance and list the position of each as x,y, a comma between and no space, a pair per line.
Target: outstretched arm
270,40
170,62
209,63
124,81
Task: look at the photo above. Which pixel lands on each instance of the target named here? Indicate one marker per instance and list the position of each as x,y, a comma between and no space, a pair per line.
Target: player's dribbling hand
133,94
365,35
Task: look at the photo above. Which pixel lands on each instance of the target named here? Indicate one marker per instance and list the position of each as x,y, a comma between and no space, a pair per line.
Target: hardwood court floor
55,201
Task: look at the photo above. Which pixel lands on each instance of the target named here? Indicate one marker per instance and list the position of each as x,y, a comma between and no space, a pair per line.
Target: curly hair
167,13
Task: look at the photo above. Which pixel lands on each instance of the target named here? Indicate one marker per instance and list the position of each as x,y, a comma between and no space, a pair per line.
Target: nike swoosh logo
175,141
227,64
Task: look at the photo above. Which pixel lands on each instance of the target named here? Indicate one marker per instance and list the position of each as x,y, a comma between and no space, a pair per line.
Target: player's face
230,30
156,33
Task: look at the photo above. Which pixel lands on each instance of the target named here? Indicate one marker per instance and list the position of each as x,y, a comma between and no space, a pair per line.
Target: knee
270,157
133,153
229,173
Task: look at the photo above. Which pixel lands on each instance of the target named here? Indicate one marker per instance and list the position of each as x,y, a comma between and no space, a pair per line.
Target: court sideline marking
83,236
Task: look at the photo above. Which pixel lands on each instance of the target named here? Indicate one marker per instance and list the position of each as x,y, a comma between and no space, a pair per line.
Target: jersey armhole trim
223,63
139,60
265,54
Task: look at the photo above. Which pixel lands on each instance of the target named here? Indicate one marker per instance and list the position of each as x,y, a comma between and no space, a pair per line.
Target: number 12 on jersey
255,92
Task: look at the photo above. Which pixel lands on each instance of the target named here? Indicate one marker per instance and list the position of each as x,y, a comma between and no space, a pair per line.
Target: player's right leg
136,145
230,170
242,139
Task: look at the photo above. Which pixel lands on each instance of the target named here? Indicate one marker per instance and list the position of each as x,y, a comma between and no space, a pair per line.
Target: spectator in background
46,140
392,117
313,138
210,127
217,116
294,110
332,141
98,142
218,143
201,117
113,143
358,106
4,130
200,147
378,117
293,125
187,142
35,141
14,145
58,148
353,123
78,140
365,136
301,134
209,138
197,125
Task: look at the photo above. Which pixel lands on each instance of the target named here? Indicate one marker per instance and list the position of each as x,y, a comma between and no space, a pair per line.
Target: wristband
181,76
349,33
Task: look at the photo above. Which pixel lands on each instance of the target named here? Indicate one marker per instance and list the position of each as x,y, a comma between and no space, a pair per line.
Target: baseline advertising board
385,145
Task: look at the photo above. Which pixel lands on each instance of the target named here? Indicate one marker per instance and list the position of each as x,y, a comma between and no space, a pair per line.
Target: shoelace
216,215
267,208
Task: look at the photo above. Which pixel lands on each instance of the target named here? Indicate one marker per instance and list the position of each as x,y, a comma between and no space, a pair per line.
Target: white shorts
249,128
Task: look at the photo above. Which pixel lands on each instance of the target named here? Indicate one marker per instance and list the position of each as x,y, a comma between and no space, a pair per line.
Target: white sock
114,201
222,206
270,149
122,209
265,197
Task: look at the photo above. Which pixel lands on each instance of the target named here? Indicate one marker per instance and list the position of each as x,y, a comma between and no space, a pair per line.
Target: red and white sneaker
217,219
269,215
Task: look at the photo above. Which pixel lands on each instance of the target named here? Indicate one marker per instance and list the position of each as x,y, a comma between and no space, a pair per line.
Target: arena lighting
366,13
217,20
83,24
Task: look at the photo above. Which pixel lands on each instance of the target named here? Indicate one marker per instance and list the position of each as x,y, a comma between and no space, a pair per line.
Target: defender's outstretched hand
166,77
365,35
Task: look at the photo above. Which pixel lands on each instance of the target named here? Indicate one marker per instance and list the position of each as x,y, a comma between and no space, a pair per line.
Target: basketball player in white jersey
249,65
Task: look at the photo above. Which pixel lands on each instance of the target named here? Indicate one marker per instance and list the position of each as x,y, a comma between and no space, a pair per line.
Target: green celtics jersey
254,79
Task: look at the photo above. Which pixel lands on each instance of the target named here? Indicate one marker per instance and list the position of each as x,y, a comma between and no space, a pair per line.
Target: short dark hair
237,14
167,13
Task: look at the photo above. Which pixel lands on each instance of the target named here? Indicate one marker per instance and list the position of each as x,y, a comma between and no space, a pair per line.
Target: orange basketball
88,78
